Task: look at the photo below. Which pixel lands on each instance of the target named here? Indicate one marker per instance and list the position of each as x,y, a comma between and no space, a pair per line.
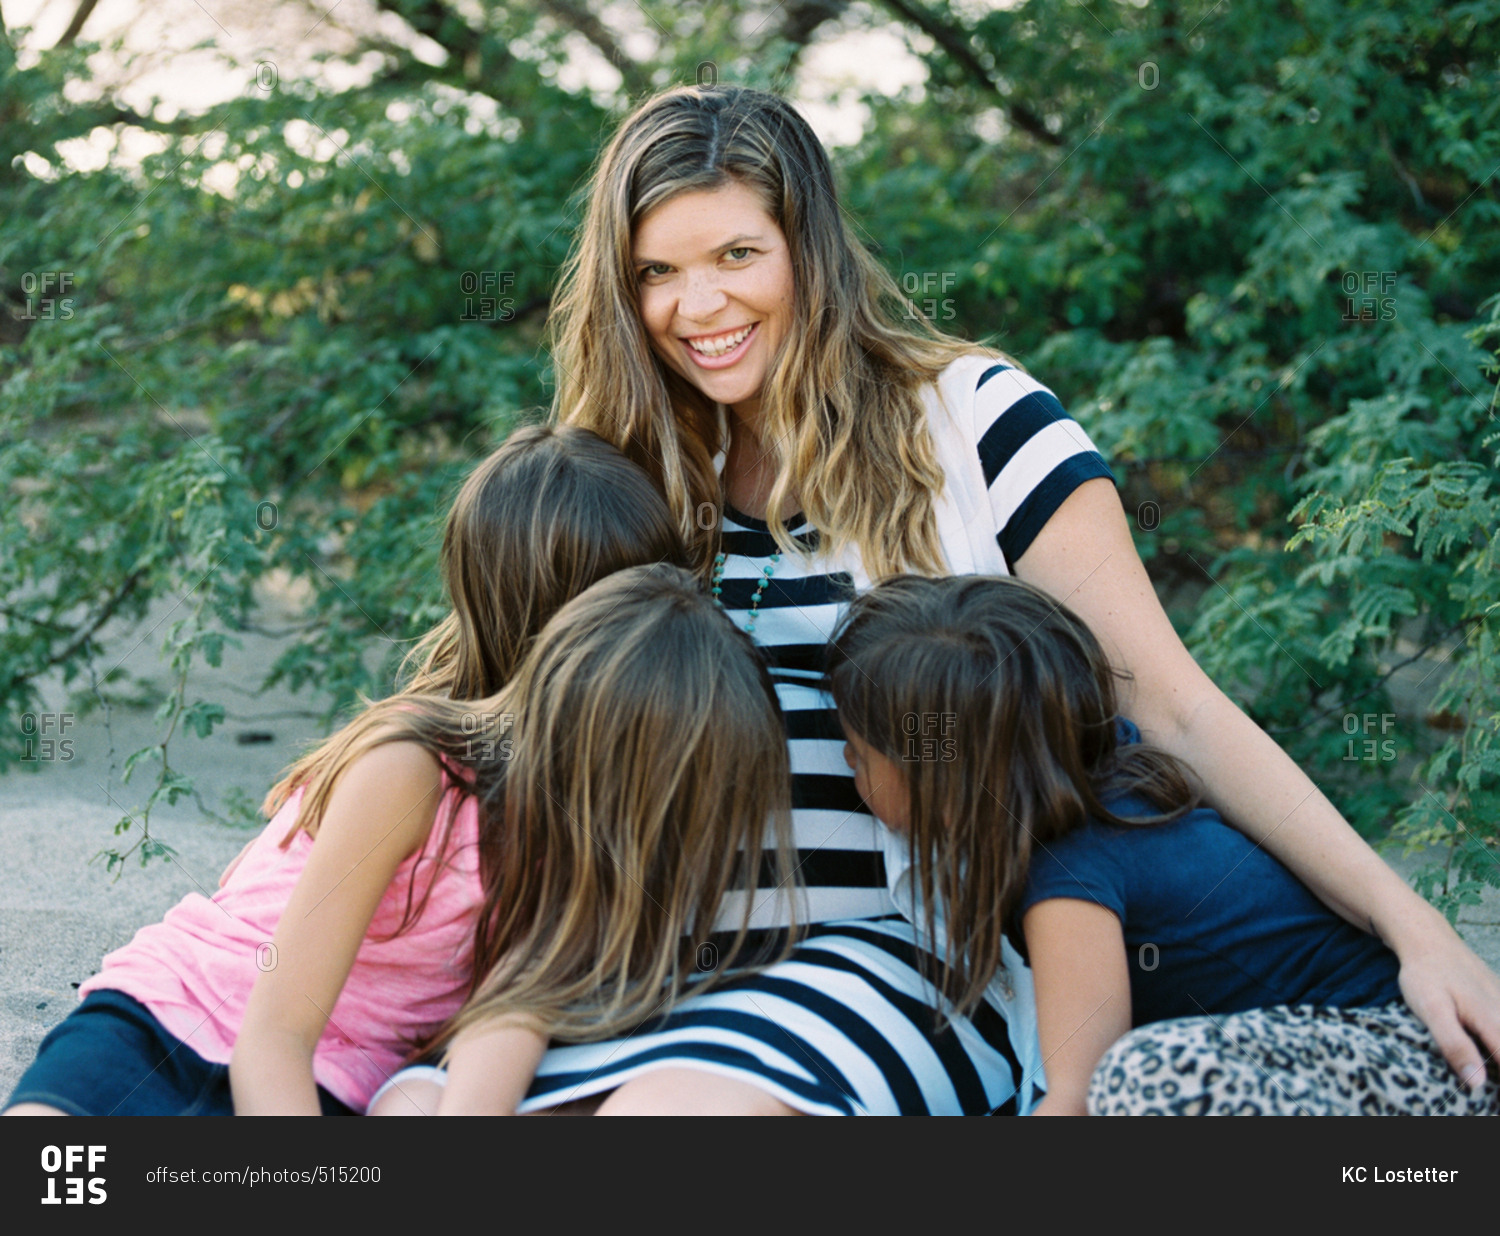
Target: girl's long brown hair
999,706
841,409
642,762
554,509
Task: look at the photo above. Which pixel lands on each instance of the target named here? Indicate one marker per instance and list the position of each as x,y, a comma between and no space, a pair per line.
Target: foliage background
1253,248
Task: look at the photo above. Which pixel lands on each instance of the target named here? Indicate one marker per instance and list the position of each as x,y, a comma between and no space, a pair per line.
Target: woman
718,324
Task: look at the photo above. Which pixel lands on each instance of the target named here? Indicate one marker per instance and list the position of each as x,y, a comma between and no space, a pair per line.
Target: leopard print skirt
1288,1061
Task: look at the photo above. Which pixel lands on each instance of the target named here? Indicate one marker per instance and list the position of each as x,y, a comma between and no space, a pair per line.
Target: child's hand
1055,1106
491,1067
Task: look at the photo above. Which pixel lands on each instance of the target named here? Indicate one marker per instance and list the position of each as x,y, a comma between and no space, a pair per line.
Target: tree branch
803,17
956,44
578,16
477,60
802,20
474,52
80,15
99,619
1343,705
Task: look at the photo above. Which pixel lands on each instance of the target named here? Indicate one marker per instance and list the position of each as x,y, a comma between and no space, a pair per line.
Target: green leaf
152,752
201,717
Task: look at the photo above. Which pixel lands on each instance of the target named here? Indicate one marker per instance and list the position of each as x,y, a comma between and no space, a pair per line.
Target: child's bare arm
235,862
491,1067
1082,982
380,812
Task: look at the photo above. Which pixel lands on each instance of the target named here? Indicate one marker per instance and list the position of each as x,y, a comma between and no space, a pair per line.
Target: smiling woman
717,322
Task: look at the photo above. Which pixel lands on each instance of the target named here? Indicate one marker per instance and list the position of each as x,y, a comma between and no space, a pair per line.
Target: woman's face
715,278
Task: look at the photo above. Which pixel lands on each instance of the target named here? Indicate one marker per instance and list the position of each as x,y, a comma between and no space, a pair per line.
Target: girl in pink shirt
344,933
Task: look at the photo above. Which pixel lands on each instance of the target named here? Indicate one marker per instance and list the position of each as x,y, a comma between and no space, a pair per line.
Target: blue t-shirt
1212,922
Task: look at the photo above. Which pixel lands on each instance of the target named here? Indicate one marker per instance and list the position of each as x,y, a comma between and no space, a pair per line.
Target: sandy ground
60,912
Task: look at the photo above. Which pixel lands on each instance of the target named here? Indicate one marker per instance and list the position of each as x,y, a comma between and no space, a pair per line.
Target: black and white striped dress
845,1025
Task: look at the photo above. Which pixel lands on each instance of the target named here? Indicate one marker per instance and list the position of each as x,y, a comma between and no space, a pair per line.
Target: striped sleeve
1033,454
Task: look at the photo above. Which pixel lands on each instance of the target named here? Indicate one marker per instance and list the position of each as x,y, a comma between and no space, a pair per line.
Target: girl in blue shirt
1179,968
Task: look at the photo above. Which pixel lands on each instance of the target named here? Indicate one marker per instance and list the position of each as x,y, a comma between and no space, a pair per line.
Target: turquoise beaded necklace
765,578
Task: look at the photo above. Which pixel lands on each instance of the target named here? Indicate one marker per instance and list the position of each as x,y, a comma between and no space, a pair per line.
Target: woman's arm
491,1067
1085,557
380,812
1079,966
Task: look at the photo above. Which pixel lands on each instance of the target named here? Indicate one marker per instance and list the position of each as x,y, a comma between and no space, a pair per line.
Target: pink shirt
194,970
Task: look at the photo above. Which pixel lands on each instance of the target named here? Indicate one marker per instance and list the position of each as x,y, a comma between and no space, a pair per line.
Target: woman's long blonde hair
841,408
646,762
551,511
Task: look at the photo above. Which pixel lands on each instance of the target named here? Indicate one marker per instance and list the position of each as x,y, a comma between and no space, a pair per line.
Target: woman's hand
1458,999
1084,556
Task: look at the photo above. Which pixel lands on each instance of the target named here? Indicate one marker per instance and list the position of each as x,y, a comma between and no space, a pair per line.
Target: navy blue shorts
111,1057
